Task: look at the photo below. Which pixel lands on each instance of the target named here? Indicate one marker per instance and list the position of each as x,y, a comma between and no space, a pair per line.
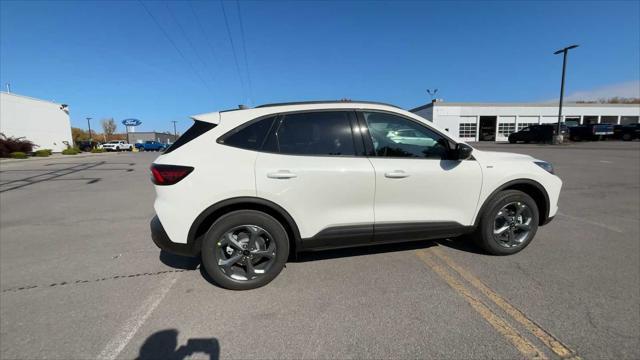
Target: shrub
43,153
18,155
70,151
96,150
11,144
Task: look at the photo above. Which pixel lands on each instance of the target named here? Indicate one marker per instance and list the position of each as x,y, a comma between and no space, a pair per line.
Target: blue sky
111,59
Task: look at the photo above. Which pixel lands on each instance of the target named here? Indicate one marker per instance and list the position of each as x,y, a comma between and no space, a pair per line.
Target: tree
78,134
109,126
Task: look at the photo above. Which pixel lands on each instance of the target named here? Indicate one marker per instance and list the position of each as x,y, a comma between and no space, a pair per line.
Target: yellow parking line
522,344
549,340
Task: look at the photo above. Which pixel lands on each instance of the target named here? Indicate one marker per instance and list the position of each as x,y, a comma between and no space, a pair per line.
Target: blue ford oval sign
131,122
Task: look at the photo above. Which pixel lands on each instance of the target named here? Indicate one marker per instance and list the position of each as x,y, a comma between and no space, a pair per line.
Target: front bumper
162,240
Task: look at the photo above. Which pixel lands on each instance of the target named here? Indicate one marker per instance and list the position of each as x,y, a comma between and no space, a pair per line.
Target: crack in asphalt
77,282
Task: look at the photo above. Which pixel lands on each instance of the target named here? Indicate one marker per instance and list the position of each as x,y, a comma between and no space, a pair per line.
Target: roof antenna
432,93
242,107
8,88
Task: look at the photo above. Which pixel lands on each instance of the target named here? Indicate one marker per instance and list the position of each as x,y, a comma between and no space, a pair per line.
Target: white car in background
244,189
117,145
411,137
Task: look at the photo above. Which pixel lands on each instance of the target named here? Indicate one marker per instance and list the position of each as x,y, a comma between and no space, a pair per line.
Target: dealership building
495,121
140,137
43,122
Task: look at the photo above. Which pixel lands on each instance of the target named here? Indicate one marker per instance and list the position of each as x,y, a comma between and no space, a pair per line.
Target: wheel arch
527,186
203,222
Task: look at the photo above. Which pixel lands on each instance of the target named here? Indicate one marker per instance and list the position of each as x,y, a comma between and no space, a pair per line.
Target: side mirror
463,151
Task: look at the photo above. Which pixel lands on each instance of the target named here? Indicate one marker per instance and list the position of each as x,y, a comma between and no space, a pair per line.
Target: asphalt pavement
81,279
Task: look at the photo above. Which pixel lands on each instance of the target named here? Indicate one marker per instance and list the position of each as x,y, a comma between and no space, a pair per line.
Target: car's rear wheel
509,223
245,249
626,137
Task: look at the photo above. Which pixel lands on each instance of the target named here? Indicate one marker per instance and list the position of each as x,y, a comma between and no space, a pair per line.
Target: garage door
506,126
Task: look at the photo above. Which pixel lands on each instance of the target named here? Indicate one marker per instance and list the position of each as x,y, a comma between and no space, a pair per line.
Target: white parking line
591,222
131,327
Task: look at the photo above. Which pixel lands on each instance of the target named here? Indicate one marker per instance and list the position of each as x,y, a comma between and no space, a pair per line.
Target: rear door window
322,133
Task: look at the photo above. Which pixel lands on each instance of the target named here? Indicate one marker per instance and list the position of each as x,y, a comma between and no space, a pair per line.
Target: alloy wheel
245,252
512,224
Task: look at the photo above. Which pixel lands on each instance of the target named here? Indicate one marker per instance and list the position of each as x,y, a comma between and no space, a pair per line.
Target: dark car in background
537,133
626,132
590,132
86,145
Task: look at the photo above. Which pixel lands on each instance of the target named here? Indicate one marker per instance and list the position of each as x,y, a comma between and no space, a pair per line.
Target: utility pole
557,139
175,133
89,125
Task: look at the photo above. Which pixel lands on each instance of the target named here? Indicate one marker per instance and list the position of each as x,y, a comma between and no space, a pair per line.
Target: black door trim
370,234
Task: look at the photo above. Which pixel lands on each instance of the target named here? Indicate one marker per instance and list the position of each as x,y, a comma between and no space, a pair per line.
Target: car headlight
545,165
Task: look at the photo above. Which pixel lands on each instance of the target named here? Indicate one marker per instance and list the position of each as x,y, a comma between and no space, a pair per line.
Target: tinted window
198,128
315,133
250,137
422,143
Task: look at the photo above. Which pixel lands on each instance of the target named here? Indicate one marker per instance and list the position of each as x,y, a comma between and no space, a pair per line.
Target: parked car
152,145
117,145
537,133
627,132
409,136
245,189
87,145
590,132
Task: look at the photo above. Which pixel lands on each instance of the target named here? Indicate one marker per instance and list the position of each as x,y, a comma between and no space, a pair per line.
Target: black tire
627,137
511,141
211,252
484,235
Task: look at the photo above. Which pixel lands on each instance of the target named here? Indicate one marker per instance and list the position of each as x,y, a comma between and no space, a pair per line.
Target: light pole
558,137
89,124
175,133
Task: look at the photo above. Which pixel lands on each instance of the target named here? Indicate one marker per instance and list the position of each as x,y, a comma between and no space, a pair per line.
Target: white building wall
42,122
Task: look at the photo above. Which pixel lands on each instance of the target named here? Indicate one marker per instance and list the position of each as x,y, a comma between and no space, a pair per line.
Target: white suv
117,145
245,189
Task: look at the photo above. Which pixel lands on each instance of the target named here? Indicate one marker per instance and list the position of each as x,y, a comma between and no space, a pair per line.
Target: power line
174,45
189,42
204,33
233,47
244,49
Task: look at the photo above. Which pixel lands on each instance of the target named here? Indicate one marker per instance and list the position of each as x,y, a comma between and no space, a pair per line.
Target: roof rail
326,102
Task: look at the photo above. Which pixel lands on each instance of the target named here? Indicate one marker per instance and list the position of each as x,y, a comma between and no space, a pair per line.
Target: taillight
168,174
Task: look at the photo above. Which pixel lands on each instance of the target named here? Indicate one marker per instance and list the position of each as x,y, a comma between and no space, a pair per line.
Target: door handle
396,174
281,174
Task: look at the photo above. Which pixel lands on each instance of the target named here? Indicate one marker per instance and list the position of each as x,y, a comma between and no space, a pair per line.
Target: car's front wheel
245,249
509,223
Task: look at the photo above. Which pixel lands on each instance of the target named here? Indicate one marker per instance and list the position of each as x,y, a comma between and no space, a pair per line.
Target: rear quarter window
249,136
198,128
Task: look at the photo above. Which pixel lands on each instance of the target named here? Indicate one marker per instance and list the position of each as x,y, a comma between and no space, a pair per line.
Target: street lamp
558,137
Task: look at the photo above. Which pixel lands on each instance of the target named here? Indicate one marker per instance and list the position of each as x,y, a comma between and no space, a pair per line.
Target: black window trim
357,121
369,143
